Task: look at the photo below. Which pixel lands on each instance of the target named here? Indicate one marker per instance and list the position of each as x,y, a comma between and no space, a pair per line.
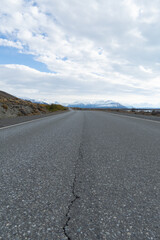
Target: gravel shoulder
132,115
16,120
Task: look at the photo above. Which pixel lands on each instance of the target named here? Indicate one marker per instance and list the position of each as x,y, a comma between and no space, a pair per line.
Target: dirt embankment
11,106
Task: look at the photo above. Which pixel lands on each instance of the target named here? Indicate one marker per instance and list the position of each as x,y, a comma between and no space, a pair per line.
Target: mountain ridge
97,104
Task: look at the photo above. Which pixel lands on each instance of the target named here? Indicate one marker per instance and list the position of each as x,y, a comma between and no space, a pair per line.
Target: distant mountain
97,104
34,101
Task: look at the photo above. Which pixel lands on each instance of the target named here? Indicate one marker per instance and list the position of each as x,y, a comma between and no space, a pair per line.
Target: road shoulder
152,118
17,120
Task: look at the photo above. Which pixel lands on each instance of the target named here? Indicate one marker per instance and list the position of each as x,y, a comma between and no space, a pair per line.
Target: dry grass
5,106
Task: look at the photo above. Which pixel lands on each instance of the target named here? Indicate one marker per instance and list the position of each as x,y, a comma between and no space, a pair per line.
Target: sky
86,50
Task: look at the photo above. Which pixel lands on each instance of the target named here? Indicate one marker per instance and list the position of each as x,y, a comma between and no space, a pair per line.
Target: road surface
80,175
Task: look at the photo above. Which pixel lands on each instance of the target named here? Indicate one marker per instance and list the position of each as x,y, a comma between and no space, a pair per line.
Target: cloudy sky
71,50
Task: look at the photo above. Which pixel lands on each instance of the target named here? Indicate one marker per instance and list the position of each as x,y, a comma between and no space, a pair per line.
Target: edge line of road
18,124
144,119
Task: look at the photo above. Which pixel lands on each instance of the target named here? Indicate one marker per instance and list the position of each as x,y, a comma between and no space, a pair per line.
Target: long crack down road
80,175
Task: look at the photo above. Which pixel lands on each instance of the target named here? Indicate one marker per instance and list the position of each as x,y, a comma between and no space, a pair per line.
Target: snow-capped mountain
97,104
34,101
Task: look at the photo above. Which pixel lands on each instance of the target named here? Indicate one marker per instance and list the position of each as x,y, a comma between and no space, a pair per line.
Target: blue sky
9,55
81,50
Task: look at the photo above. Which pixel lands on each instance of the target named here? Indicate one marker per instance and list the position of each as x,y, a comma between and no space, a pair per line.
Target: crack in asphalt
76,197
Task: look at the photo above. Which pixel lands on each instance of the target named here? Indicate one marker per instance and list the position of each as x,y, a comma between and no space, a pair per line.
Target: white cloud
7,43
133,8
137,34
146,70
27,82
98,48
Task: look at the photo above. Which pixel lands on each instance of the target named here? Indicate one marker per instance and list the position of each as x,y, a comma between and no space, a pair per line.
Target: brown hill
11,106
6,95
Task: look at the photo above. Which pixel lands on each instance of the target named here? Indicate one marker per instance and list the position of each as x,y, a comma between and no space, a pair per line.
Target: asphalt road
81,176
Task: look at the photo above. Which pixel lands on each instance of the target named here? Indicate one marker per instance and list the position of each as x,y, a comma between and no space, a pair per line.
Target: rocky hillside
11,106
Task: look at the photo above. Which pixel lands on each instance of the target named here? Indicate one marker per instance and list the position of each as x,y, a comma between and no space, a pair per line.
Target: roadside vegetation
55,107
